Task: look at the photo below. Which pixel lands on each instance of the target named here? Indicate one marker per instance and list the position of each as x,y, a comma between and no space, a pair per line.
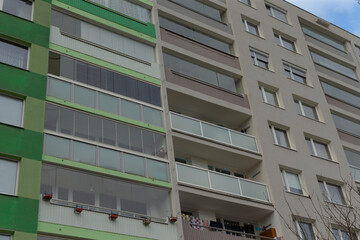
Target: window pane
271,97
13,55
298,109
59,89
3,237
306,231
11,110
353,158
84,153
309,111
341,94
81,125
66,121
109,132
109,159
310,147
322,150
51,117
294,183
84,96
22,9
8,176
123,136
108,103
57,147
136,139
288,44
323,191
335,194
252,28
281,137
152,116
95,129
134,164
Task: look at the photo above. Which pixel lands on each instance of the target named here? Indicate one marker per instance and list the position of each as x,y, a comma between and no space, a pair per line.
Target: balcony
213,132
195,232
355,172
218,182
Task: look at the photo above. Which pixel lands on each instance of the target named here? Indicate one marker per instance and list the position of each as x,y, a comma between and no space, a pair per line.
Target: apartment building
175,119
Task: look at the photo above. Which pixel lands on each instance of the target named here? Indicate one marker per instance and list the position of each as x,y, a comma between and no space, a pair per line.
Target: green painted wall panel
24,30
145,28
105,64
27,83
42,12
29,178
69,231
24,236
34,114
109,172
21,142
38,62
106,114
19,214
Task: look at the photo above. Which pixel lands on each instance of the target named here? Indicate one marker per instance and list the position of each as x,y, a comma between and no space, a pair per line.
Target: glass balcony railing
355,172
221,182
211,131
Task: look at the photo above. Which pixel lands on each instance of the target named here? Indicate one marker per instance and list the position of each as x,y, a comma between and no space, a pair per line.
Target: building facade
170,119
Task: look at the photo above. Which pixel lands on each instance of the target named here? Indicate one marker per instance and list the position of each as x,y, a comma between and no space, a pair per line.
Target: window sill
293,51
288,148
274,106
338,204
300,83
315,120
249,5
256,35
287,23
298,194
326,159
266,69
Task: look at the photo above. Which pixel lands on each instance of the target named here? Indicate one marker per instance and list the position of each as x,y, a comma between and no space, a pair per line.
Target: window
259,59
323,37
276,13
247,2
251,27
20,8
200,7
280,136
194,35
343,235
286,43
358,49
269,96
332,65
295,73
305,230
13,54
291,182
353,157
11,110
318,149
128,8
203,74
8,176
340,94
306,109
331,192
346,125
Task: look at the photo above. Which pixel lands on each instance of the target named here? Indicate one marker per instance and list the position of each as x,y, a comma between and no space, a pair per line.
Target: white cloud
324,8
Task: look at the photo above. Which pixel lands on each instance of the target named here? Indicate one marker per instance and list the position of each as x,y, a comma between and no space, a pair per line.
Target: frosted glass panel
57,147
216,133
8,177
59,89
185,124
109,159
11,110
152,116
224,183
254,190
84,153
84,96
193,176
130,110
108,103
243,141
134,164
157,170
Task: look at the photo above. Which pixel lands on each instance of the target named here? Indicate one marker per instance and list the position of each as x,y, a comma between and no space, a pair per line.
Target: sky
342,13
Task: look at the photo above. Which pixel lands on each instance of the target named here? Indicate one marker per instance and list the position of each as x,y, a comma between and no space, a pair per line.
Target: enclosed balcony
218,182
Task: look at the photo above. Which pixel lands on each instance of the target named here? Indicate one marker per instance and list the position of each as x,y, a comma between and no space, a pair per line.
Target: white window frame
314,148
16,181
247,23
276,142
299,231
301,103
22,111
254,54
284,177
282,39
291,72
340,231
272,8
328,193
263,90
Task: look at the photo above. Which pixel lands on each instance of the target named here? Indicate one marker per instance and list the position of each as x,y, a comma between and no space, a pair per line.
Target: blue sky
343,13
